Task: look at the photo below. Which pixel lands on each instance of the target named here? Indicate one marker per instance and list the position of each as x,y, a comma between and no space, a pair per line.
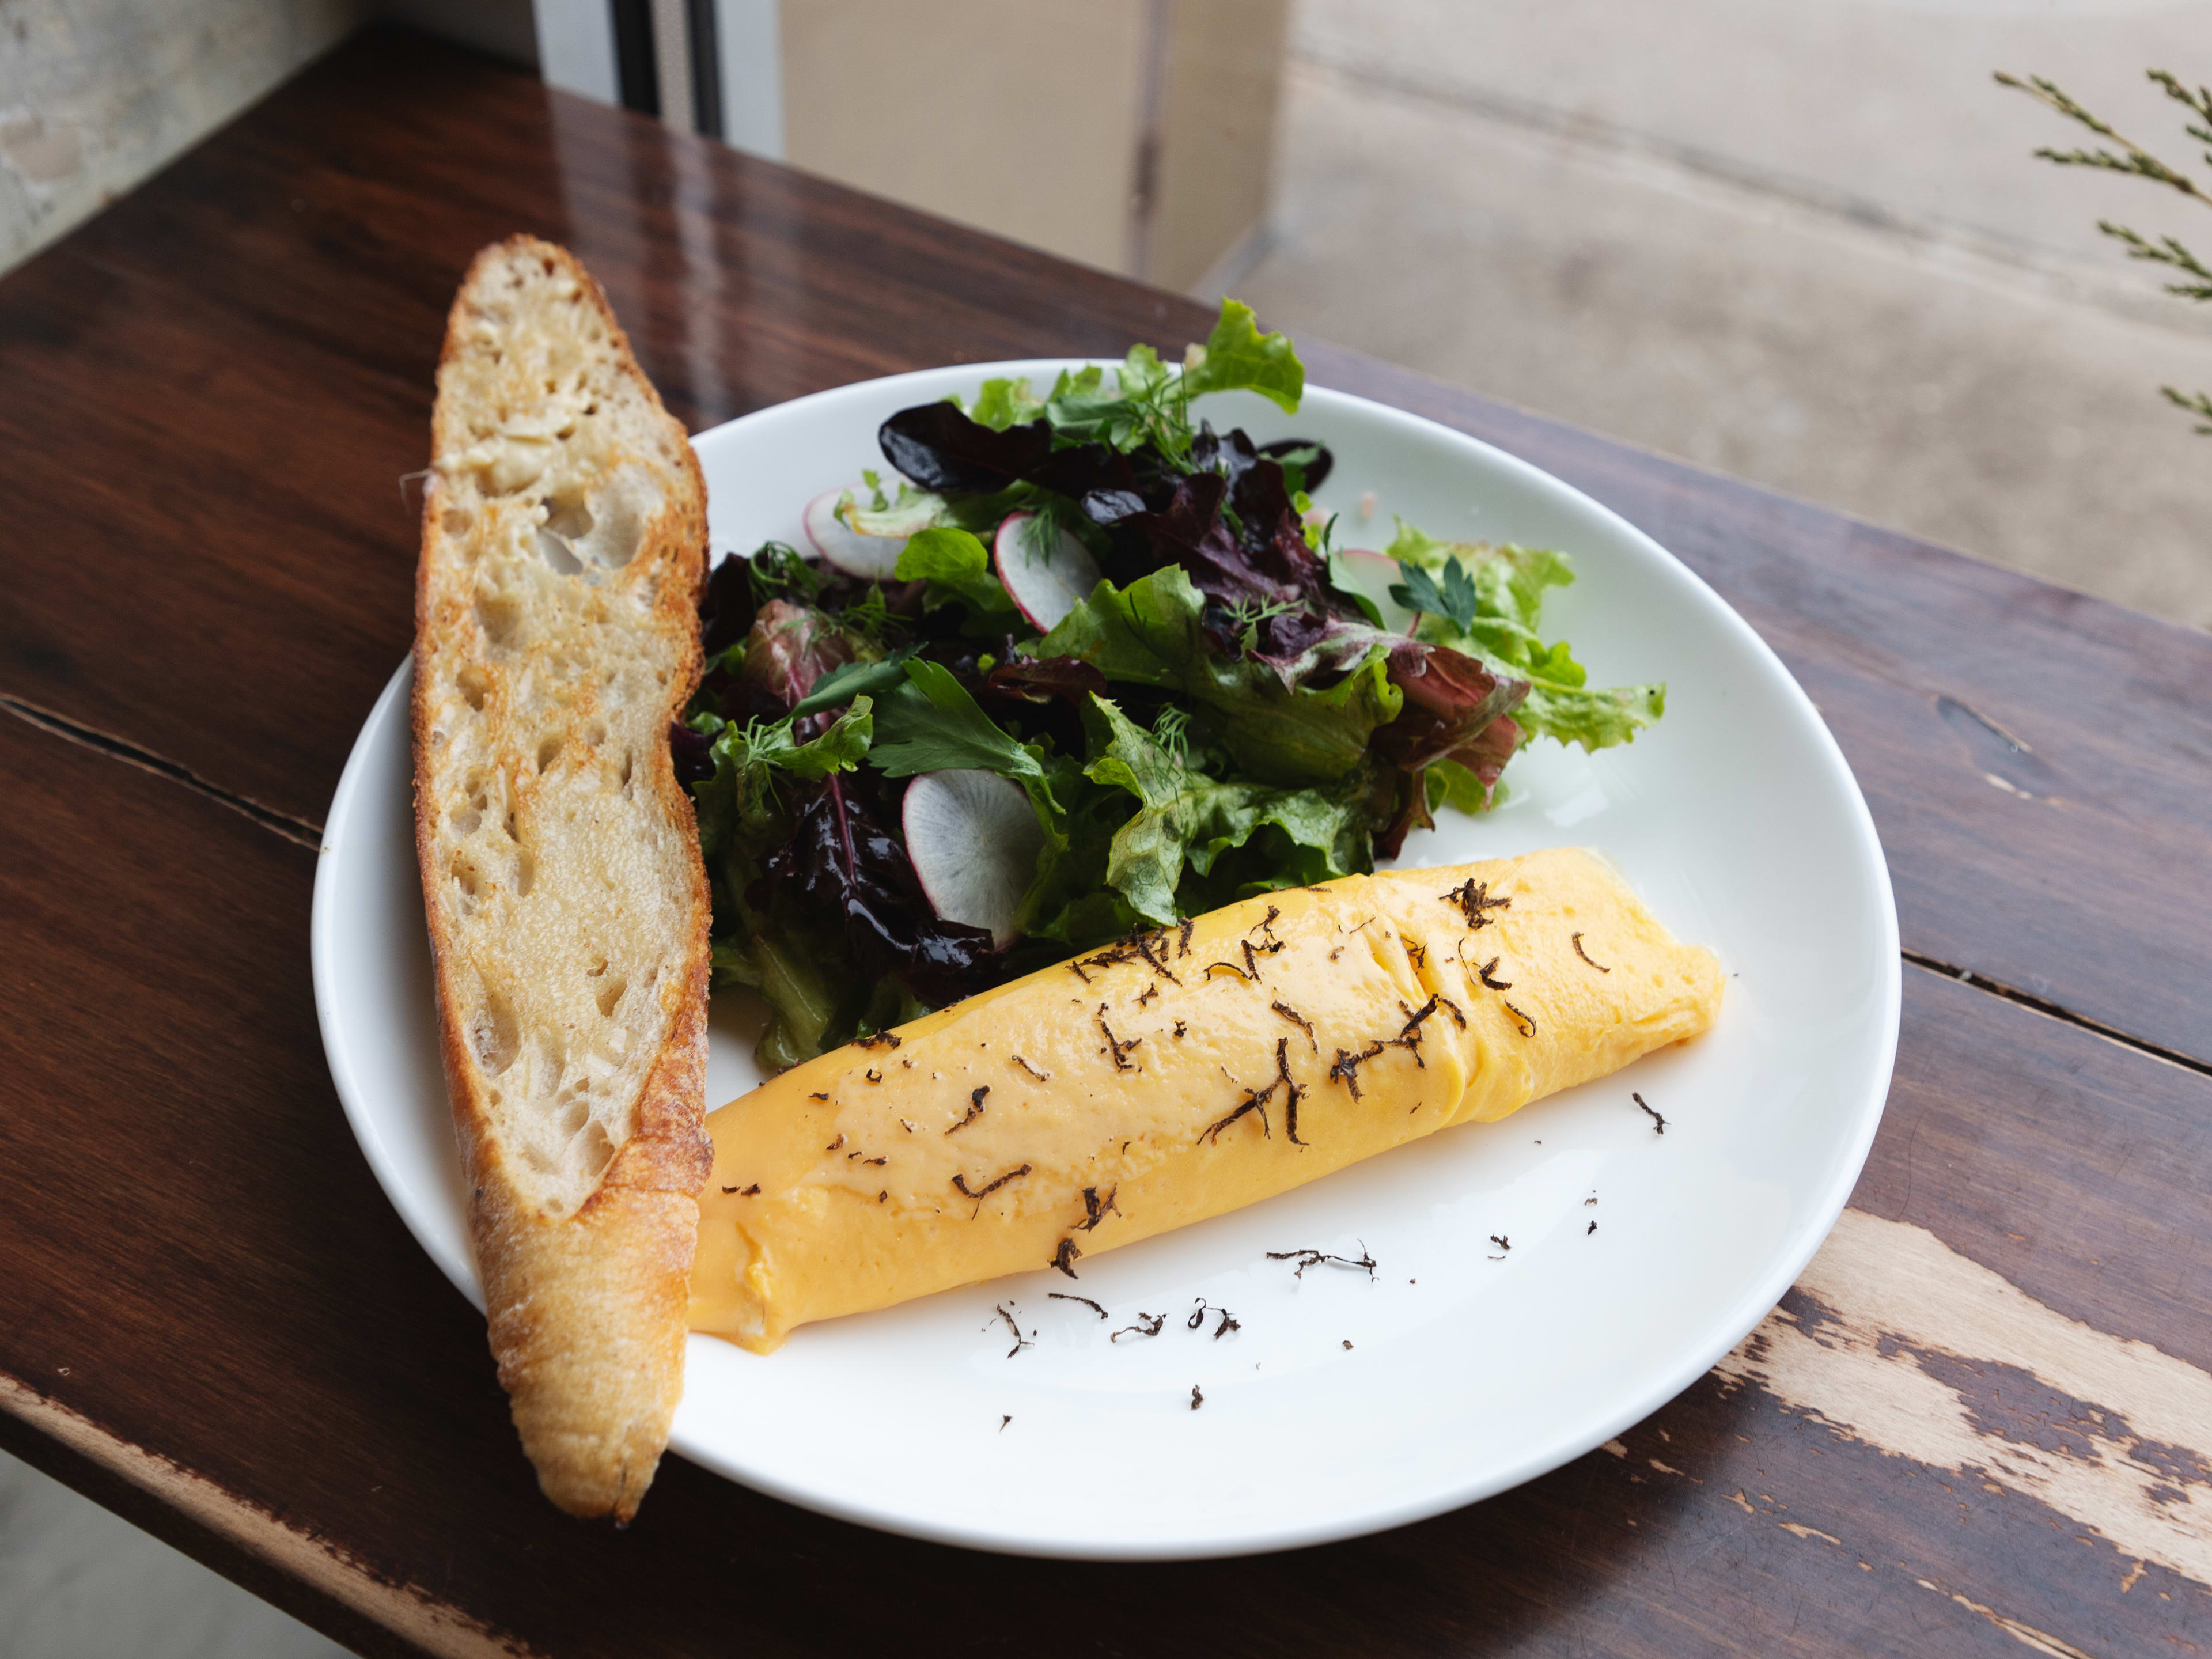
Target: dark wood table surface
1983,1420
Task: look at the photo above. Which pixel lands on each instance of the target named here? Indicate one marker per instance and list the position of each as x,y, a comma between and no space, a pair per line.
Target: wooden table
1983,1421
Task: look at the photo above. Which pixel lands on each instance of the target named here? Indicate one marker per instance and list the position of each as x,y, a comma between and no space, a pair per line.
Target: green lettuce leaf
932,725
1237,357
1150,633
855,679
1002,403
742,817
1451,784
1144,863
1344,581
1143,408
801,1003
1187,818
1488,602
957,567
1149,402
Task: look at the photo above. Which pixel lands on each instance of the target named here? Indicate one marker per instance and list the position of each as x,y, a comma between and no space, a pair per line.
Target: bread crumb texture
563,536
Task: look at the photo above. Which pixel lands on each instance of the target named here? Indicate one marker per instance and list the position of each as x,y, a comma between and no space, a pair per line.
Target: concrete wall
1138,135
95,95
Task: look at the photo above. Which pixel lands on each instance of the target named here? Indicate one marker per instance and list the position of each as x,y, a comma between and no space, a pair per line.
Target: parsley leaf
932,725
1454,600
1487,601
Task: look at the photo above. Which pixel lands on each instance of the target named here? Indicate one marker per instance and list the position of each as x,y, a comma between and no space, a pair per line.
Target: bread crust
585,1302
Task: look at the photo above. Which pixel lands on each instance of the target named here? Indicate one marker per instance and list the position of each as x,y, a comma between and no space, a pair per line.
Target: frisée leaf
1237,357
1185,816
1487,601
1152,632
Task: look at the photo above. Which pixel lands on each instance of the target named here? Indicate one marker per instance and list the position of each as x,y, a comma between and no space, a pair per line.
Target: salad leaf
1344,582
790,647
957,567
932,725
1147,407
1451,784
1486,601
1509,580
1002,403
1454,600
1040,679
1152,632
843,873
1186,816
1145,861
1305,466
1237,357
738,803
776,745
945,452
854,680
744,813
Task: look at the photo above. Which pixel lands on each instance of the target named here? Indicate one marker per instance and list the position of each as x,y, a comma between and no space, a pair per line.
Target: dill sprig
1171,732
2132,159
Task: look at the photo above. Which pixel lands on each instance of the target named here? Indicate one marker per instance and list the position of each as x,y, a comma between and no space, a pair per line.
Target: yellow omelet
1179,1075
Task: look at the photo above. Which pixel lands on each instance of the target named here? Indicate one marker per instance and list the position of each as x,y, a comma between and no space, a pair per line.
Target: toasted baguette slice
556,637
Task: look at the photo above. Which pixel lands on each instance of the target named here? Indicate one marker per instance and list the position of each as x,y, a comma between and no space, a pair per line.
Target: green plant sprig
2134,161
2165,251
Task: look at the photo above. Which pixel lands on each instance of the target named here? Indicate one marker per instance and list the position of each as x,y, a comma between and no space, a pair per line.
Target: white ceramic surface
1468,1369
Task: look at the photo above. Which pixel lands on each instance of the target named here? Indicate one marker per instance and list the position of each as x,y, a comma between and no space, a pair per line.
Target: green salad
1072,664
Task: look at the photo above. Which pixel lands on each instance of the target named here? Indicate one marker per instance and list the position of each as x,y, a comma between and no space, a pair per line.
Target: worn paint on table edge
410,1613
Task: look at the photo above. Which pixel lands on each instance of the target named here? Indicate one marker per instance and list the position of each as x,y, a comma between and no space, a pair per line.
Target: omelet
1178,1074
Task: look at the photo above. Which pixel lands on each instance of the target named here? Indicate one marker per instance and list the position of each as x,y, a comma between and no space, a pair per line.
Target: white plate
1340,1405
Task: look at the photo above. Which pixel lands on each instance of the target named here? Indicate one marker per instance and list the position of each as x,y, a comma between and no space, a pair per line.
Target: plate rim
1657,1388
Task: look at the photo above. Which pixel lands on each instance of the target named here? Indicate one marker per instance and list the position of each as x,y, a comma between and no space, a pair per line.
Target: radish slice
1044,583
974,842
873,558
1375,574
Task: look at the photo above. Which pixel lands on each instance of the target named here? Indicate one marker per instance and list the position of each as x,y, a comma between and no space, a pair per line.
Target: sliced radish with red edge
973,839
1045,581
873,558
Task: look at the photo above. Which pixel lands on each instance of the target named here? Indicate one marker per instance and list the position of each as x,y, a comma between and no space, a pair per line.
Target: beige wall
1018,116
1225,78
1029,118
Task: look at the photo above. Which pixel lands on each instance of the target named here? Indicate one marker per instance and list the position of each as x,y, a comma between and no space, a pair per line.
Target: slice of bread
564,535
